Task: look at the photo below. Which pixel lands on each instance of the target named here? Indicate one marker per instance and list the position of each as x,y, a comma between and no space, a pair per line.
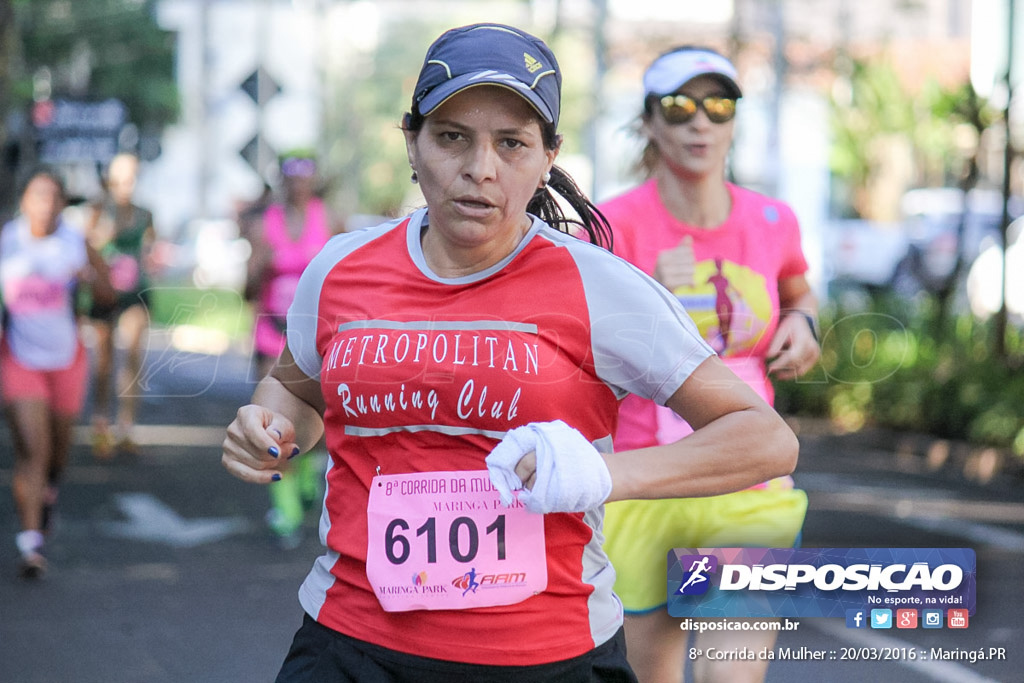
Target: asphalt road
162,570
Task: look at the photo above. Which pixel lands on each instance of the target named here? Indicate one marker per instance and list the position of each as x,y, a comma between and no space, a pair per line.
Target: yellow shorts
639,534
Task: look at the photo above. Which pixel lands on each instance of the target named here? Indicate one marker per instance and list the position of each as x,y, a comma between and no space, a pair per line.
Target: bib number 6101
397,545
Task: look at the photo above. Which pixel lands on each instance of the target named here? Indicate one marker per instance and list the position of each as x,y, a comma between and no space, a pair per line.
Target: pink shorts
63,389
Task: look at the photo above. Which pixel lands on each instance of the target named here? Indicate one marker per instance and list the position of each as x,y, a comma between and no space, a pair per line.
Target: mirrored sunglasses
677,109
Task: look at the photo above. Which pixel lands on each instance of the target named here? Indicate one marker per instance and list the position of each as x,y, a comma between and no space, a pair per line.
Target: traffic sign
258,154
75,130
259,86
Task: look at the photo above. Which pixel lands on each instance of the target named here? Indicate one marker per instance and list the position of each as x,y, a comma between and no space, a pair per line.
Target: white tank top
37,283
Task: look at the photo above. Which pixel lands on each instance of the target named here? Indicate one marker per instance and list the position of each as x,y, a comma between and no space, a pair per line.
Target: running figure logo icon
696,580
467,582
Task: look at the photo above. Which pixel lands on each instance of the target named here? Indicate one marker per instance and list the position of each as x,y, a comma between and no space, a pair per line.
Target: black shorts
322,655
109,313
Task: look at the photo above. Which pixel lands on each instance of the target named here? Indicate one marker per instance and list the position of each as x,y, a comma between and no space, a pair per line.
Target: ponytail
545,206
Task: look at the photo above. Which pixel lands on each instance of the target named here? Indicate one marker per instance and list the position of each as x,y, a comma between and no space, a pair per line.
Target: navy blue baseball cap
490,54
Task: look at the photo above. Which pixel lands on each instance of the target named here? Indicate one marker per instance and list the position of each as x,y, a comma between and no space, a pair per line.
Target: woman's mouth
473,205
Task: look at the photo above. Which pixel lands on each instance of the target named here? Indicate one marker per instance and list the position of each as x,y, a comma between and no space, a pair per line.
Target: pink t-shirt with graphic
424,374
735,301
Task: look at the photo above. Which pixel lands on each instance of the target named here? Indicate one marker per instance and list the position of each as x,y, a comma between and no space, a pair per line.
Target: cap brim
668,87
672,71
729,84
445,91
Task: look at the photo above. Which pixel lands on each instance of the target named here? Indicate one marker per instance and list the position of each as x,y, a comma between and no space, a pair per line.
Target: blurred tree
95,50
938,128
367,149
99,49
877,114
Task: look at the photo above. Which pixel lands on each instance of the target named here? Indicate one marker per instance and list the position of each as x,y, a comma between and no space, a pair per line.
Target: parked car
938,220
919,253
863,253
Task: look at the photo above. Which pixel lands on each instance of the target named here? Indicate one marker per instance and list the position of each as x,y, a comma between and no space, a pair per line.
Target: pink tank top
290,257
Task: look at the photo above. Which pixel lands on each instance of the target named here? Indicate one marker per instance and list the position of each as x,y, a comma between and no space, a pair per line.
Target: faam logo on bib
817,582
443,540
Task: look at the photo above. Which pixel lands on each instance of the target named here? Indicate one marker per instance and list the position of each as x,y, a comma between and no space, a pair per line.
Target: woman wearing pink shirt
293,231
733,259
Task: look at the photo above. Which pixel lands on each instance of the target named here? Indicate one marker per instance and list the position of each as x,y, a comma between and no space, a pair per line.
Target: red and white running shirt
425,374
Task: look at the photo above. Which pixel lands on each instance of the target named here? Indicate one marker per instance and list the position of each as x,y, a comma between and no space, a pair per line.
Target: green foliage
878,107
128,56
890,366
221,310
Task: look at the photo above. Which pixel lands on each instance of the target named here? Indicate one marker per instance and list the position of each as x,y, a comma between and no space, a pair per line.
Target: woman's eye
512,143
451,136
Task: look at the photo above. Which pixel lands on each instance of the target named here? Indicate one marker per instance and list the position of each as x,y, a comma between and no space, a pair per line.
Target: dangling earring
415,178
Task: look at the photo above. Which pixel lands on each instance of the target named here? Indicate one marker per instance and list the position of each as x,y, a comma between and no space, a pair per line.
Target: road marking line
163,435
981,533
150,519
927,509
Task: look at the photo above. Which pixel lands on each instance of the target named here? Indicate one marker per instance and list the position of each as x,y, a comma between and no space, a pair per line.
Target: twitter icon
881,618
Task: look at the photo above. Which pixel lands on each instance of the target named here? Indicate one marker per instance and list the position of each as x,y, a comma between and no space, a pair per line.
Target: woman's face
299,188
121,178
480,157
697,148
41,205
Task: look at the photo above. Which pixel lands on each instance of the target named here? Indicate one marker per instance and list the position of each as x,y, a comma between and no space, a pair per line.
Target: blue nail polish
276,477
274,451
295,451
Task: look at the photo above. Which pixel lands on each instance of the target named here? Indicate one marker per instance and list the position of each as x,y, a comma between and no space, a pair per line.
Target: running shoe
287,533
103,442
126,446
32,565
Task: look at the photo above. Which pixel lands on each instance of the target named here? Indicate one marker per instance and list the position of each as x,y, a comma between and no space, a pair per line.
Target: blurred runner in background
290,234
733,259
43,365
122,232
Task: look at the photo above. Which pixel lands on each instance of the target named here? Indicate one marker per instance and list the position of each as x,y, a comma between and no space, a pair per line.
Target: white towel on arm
571,474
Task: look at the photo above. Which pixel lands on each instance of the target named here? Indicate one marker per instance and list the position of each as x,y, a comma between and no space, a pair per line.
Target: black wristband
811,323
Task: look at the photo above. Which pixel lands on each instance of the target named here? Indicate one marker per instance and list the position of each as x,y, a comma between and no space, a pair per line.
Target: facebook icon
855,618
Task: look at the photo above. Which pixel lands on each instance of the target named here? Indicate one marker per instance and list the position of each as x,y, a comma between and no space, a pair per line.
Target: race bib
124,273
443,540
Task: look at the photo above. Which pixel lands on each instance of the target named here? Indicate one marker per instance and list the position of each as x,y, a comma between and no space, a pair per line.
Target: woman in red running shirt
466,363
